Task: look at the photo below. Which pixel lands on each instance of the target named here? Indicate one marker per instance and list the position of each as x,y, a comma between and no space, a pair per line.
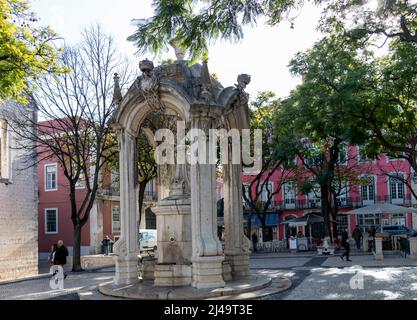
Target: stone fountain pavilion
191,262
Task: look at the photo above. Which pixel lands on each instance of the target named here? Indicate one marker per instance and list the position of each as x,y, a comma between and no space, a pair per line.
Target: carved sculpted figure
149,85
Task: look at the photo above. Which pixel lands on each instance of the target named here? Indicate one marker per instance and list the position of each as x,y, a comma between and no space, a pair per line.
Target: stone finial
206,85
242,81
179,51
117,93
205,74
146,66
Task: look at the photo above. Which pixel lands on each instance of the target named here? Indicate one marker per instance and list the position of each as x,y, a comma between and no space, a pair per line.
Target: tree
389,113
312,123
26,51
373,22
258,195
76,107
192,24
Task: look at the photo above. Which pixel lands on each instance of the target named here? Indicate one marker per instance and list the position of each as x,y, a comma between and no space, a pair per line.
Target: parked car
396,229
147,240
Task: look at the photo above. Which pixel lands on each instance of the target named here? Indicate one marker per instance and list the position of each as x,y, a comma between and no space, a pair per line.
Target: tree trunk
142,187
250,227
334,216
76,258
325,208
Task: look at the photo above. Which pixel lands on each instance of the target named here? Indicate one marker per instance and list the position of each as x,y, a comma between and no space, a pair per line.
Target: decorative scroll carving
120,247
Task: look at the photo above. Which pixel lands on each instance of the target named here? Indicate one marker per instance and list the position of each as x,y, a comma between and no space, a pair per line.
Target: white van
147,240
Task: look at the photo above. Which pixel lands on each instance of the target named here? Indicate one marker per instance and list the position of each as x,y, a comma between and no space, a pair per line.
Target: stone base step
248,288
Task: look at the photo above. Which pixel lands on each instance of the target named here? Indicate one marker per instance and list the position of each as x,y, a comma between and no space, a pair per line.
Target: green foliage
261,115
26,51
390,112
196,23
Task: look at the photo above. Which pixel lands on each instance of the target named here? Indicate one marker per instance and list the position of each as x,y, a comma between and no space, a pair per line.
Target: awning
271,220
380,208
308,219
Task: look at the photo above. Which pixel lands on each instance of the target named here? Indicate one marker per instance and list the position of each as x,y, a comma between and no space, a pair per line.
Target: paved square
313,278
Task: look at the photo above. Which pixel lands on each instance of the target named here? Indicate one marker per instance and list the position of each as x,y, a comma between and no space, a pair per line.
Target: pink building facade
376,183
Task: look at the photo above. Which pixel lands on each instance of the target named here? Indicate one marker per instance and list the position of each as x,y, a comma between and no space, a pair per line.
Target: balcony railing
110,192
348,202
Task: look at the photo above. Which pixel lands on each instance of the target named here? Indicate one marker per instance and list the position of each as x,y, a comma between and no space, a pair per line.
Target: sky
264,53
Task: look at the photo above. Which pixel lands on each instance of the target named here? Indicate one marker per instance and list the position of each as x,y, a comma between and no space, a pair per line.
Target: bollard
413,248
365,244
379,255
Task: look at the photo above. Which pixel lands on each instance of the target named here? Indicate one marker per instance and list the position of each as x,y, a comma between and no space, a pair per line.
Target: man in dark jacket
61,255
106,245
357,235
345,244
255,242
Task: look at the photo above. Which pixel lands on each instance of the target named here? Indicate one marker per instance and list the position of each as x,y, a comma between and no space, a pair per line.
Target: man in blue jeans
357,235
106,245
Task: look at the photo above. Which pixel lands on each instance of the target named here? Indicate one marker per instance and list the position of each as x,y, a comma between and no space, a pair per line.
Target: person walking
106,245
357,235
255,242
371,234
51,257
61,255
345,244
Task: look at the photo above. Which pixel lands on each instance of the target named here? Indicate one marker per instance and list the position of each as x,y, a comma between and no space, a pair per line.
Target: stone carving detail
246,244
181,184
242,82
205,93
120,247
149,85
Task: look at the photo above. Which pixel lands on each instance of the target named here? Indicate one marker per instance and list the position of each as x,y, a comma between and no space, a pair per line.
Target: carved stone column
237,245
126,248
207,257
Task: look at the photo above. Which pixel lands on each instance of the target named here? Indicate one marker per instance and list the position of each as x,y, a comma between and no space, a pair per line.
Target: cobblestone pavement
324,278
333,279
39,289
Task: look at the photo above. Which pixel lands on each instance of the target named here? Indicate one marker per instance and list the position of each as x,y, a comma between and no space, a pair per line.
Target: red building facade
54,208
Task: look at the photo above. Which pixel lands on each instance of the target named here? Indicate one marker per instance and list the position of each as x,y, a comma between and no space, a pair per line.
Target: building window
289,195
313,155
267,191
246,190
398,219
342,189
50,177
115,219
365,221
342,223
314,198
397,190
80,184
362,157
368,191
4,150
343,154
51,221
